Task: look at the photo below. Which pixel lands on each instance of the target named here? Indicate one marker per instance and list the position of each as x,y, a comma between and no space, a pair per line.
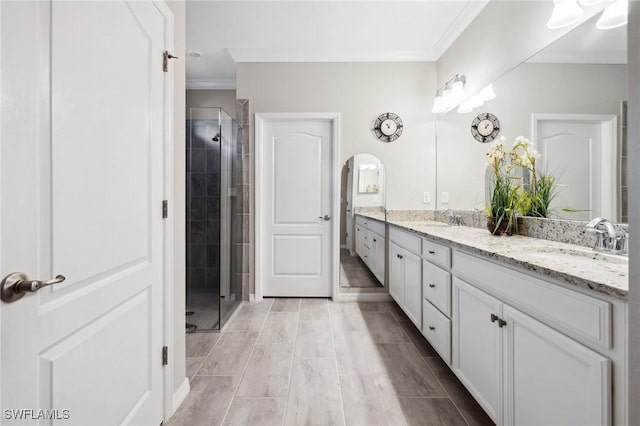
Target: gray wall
225,99
178,351
359,92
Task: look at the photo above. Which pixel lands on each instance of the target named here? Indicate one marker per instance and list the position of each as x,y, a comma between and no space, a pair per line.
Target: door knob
326,217
15,285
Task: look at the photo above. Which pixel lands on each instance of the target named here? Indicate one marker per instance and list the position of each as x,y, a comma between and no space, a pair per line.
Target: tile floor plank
230,354
314,394
267,372
256,412
207,401
431,411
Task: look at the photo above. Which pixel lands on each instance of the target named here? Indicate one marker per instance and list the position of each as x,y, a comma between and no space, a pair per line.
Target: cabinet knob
432,285
501,323
494,318
375,241
431,328
399,256
432,252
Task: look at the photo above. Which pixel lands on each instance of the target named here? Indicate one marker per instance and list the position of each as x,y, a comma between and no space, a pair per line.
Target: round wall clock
485,127
388,127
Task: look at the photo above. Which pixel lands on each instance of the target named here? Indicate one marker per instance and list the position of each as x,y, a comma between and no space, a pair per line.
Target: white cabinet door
359,239
413,288
550,379
379,257
477,346
367,248
396,273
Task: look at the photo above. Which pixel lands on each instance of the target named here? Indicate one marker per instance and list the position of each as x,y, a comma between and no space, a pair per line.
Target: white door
296,219
82,138
580,152
477,346
550,379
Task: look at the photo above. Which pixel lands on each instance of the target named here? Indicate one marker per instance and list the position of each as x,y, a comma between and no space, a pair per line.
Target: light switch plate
426,198
445,198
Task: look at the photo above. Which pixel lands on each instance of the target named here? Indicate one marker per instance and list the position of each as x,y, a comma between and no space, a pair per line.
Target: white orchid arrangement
510,195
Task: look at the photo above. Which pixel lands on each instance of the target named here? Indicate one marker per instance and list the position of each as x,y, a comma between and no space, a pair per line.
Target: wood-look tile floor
315,362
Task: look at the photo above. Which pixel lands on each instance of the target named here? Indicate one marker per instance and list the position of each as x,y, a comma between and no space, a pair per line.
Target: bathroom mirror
362,224
569,100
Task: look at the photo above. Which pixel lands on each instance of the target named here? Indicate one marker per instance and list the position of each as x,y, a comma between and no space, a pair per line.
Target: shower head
216,138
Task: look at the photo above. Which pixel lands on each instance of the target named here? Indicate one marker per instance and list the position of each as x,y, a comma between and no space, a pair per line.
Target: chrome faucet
454,220
607,240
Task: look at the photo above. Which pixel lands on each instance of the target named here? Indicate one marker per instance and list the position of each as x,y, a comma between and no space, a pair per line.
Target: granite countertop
373,215
567,263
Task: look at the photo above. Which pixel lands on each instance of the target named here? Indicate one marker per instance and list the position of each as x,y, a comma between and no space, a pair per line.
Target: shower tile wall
203,212
244,246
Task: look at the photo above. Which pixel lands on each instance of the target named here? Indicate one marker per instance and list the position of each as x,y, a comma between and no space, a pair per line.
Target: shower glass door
214,220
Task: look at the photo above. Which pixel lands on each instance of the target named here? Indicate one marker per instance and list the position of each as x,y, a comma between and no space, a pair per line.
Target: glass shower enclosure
214,218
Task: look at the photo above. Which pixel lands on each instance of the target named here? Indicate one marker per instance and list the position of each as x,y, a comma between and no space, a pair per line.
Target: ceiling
228,32
586,44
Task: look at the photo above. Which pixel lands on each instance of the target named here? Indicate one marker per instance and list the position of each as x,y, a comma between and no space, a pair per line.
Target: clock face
388,127
485,127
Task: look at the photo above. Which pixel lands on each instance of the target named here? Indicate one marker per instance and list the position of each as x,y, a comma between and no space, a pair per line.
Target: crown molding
470,11
211,84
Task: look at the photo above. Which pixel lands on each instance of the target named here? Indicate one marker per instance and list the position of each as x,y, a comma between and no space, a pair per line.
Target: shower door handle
326,217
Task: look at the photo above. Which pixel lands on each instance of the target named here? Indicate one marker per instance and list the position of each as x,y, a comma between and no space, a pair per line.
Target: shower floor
203,302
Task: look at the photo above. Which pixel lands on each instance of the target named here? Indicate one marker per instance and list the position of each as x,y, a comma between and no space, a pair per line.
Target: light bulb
438,105
457,89
565,13
614,16
465,107
476,101
487,93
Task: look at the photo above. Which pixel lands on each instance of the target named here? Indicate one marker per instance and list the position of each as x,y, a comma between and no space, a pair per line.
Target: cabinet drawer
579,315
436,287
411,242
436,253
375,226
360,220
437,329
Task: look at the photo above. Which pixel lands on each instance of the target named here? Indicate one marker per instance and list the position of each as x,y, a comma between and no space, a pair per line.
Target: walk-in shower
214,221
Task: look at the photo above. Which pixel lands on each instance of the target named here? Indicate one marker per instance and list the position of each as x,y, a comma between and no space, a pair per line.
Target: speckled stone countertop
567,263
377,215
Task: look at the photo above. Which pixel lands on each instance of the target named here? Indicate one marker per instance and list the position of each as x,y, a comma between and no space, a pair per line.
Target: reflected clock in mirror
568,100
362,247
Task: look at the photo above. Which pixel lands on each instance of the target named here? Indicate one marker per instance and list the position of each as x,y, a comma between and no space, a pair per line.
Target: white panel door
82,181
297,178
477,346
551,379
580,155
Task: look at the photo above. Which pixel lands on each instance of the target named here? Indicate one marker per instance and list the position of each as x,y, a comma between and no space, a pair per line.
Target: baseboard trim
180,395
363,297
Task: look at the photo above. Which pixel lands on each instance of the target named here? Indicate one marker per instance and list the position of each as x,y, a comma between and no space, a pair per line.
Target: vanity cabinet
370,245
522,371
405,273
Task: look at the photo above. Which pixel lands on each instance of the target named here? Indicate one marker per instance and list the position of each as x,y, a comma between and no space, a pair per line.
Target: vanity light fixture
589,3
487,94
614,16
565,13
476,101
465,107
449,95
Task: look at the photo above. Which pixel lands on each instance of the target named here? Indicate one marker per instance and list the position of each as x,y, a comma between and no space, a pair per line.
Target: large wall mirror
362,189
570,101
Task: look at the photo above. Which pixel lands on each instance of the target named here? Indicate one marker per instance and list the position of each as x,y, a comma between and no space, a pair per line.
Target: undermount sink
583,256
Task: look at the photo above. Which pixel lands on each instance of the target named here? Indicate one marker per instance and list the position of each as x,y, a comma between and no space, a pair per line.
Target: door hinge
165,355
165,60
165,209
